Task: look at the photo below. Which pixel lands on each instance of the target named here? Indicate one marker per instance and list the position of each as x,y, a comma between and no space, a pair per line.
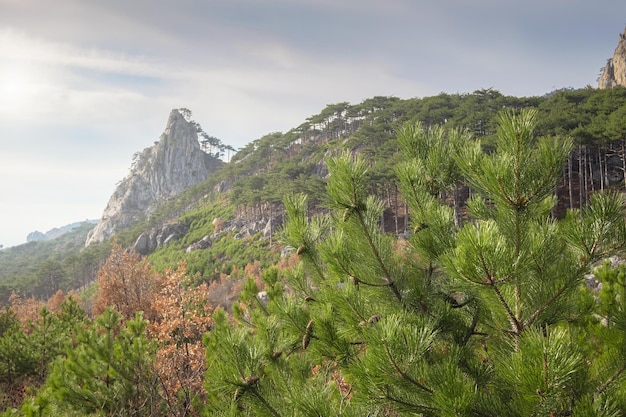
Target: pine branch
515,324
358,280
571,281
387,275
471,331
612,379
267,405
423,407
404,374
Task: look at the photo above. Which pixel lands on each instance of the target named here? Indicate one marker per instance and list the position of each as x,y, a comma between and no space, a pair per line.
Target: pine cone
251,380
306,339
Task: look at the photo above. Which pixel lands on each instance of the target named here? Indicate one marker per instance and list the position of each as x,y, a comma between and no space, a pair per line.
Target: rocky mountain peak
614,73
173,164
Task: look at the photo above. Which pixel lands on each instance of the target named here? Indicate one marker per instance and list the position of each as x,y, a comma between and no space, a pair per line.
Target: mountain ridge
55,232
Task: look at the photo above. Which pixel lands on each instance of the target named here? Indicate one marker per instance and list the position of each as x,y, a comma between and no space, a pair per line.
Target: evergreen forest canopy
479,309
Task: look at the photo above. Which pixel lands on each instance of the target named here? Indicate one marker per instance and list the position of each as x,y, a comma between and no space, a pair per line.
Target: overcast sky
84,84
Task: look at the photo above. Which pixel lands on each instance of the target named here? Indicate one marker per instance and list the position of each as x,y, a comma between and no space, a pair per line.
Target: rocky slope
614,73
175,163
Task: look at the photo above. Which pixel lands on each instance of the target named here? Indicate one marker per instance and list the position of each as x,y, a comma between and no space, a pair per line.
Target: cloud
51,82
76,85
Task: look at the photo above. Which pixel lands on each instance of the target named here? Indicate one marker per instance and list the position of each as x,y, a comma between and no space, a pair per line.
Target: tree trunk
580,178
601,169
605,177
624,162
457,205
395,207
406,217
589,158
569,180
585,175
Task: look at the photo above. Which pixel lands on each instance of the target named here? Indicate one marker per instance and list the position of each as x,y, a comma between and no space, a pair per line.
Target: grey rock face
175,163
203,243
142,244
614,73
148,242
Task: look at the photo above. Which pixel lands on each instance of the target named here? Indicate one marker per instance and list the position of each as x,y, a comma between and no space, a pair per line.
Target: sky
84,84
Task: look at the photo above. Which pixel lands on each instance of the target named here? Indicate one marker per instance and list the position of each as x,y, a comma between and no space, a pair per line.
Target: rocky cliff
614,73
175,163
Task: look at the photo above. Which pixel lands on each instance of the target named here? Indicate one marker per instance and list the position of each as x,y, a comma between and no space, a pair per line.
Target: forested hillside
254,184
42,268
259,176
425,267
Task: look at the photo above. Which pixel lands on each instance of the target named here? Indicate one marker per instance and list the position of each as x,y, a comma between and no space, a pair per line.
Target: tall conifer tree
490,318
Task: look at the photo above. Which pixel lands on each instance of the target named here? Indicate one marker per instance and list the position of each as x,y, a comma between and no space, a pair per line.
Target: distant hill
42,268
38,236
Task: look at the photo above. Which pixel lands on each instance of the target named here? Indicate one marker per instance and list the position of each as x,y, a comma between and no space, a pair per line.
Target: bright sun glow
18,85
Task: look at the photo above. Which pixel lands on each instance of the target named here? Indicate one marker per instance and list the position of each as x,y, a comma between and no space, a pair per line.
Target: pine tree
490,318
17,360
109,371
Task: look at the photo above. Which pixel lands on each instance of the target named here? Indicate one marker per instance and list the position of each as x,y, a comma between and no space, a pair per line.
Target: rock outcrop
35,236
614,73
203,243
175,163
149,241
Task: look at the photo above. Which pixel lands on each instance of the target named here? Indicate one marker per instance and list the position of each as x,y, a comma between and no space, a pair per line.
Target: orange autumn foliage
253,270
178,316
26,310
183,316
54,302
288,262
126,283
